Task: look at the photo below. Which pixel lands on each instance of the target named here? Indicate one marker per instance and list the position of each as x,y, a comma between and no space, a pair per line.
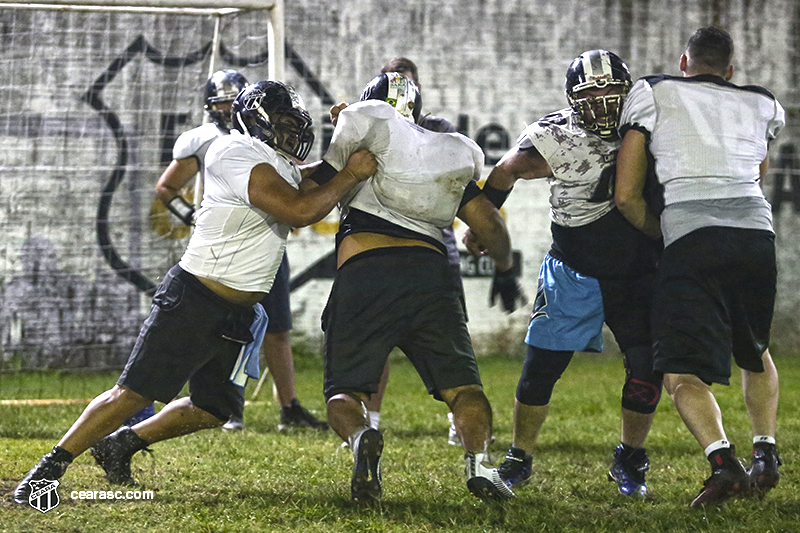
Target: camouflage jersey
583,165
589,234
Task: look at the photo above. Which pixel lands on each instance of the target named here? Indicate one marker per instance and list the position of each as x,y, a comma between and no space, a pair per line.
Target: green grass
261,480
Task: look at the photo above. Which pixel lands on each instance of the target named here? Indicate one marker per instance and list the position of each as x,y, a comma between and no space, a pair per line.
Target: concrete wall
93,102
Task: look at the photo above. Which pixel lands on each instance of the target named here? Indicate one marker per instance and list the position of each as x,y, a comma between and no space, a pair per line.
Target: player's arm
629,187
169,185
762,170
269,192
487,225
517,163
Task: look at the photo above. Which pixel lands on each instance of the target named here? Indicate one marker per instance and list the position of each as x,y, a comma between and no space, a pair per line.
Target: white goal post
95,94
276,36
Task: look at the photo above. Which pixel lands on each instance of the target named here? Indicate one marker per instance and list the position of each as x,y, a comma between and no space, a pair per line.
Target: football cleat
114,453
728,479
483,481
628,470
515,470
234,423
763,472
365,485
295,415
51,467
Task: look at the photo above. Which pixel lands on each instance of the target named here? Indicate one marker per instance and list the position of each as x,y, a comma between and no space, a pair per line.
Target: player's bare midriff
235,296
361,242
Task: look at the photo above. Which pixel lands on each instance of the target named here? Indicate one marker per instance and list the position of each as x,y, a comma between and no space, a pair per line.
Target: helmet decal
396,90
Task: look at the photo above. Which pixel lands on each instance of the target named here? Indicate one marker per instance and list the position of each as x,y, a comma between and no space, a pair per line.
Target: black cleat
114,453
365,485
295,415
728,479
516,468
763,472
51,467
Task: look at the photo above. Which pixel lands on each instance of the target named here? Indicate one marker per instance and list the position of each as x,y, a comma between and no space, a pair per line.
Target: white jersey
195,143
234,242
421,174
704,151
583,166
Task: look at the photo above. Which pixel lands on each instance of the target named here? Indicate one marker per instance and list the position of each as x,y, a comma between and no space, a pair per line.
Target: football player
715,292
206,308
393,286
408,68
599,268
188,159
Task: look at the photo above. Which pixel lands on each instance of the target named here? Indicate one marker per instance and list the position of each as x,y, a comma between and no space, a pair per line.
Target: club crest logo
43,495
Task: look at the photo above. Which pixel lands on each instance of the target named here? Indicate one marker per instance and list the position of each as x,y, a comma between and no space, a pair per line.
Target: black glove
182,209
506,285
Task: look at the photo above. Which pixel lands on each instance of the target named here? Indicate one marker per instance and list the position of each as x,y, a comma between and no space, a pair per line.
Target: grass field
262,480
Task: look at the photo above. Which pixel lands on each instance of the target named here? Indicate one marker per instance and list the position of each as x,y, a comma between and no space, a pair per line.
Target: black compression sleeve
470,192
323,174
496,196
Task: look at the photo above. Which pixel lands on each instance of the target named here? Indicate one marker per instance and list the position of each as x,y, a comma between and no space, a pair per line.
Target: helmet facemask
600,114
292,133
596,70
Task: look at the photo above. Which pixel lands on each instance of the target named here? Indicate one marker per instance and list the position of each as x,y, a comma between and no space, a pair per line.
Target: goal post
95,94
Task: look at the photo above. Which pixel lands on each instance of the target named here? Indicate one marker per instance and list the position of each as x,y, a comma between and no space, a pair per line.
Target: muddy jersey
583,166
421,174
195,143
234,242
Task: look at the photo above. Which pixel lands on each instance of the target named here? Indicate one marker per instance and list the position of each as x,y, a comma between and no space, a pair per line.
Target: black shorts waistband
393,250
198,287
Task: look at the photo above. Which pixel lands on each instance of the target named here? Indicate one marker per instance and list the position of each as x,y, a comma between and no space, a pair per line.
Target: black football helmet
274,113
222,86
597,69
396,90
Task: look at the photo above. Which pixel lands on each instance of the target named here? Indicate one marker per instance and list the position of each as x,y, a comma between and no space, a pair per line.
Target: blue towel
247,362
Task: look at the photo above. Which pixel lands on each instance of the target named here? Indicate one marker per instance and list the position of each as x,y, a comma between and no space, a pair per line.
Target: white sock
764,438
714,446
374,418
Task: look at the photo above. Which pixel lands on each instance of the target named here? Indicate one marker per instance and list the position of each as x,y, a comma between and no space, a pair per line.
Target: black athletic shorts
276,303
182,340
396,297
714,297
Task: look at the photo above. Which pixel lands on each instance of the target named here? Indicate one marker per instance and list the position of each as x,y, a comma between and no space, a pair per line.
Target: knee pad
540,372
642,389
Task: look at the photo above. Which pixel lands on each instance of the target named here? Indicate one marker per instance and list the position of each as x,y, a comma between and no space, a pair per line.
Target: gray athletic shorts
182,340
396,297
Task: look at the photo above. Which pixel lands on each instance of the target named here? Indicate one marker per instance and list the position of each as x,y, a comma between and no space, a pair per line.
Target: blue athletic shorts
568,312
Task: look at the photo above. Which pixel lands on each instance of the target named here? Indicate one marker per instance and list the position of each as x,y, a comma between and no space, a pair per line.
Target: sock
517,453
764,439
714,446
60,455
374,418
